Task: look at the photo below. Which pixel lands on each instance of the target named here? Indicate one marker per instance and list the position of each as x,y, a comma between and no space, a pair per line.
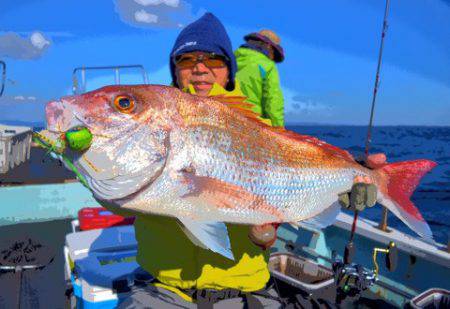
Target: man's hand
376,160
263,236
363,193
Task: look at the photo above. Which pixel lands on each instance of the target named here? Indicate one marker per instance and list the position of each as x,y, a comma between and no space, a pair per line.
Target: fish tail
399,181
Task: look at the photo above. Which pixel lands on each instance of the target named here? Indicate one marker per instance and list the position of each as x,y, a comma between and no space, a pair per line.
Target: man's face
201,70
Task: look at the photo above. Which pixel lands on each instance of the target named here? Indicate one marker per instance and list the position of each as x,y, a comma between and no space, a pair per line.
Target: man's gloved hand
363,193
263,236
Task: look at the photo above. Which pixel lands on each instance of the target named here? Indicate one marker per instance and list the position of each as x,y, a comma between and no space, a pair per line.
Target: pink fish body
204,160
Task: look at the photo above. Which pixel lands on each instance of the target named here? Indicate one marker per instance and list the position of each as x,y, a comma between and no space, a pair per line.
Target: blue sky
331,51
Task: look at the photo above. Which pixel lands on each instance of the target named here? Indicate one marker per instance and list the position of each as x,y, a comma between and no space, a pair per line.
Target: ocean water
401,143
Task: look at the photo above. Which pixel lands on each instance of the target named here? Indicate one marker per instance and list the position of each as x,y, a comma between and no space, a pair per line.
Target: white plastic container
15,143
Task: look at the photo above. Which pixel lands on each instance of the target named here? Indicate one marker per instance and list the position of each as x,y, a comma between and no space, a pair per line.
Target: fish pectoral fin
210,235
229,197
325,218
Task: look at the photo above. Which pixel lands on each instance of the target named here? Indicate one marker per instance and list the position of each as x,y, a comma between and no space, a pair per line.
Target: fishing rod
349,249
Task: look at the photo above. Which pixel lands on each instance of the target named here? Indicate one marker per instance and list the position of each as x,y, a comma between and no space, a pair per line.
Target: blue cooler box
102,267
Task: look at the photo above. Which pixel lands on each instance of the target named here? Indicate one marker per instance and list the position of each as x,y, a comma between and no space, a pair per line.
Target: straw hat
269,37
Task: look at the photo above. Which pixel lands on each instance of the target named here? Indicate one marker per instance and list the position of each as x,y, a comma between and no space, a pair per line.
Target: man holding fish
202,63
207,180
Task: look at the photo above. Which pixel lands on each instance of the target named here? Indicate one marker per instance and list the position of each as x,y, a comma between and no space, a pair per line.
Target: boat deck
40,288
45,288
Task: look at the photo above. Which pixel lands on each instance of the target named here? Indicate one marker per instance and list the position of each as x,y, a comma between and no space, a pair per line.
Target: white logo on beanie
192,43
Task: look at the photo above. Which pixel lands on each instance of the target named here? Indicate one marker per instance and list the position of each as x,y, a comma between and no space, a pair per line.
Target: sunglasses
210,60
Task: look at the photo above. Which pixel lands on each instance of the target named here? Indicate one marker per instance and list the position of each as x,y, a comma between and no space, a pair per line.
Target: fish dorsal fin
240,105
314,141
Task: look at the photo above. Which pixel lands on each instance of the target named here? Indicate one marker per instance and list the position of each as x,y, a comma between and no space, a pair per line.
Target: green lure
79,139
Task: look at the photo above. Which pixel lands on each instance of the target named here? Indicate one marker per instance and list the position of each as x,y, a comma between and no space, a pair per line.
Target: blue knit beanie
207,34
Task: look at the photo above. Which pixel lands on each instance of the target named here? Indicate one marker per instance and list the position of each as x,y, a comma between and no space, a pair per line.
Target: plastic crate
91,218
432,298
300,272
15,143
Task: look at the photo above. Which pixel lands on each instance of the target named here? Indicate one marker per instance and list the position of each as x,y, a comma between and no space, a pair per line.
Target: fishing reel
351,279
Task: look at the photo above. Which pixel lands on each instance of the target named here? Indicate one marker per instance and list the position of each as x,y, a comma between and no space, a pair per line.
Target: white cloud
15,46
154,13
38,40
144,17
172,3
309,106
18,100
22,110
303,108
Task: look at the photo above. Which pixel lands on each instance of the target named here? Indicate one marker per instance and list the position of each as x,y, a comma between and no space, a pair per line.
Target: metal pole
117,80
383,223
2,87
19,273
83,80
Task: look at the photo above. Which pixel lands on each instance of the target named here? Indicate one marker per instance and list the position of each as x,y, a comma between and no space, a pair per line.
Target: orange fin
240,105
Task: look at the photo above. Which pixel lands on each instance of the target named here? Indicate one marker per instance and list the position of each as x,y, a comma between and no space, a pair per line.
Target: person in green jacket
258,75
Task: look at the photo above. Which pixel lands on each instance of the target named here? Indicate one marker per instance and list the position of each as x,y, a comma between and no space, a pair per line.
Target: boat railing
79,87
3,78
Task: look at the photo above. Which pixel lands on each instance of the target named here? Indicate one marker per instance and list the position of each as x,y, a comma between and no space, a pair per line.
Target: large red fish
158,150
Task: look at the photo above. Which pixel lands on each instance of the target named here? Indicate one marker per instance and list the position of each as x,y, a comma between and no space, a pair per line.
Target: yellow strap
174,290
216,89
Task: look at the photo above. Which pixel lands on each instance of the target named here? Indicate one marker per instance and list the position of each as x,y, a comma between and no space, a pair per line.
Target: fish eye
124,103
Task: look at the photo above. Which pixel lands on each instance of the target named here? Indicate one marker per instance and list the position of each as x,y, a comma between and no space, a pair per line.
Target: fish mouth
61,116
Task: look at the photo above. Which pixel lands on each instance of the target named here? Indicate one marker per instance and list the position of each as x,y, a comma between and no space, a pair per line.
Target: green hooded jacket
259,80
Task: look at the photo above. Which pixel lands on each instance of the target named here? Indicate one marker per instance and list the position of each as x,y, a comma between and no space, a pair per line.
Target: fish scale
288,189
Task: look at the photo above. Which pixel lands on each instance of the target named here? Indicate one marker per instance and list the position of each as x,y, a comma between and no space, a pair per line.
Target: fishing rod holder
79,87
383,225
